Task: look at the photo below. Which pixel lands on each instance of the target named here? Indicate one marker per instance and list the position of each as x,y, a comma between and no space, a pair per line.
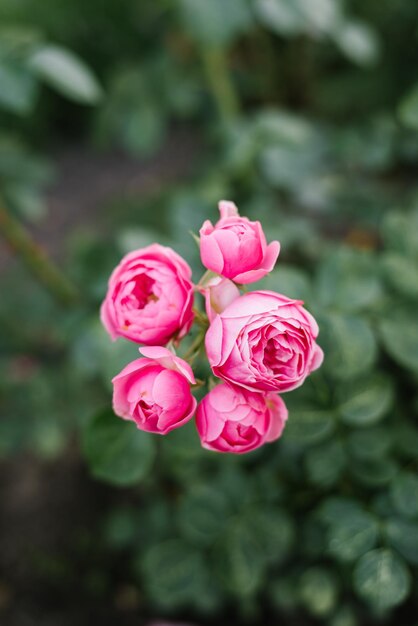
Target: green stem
35,258
220,83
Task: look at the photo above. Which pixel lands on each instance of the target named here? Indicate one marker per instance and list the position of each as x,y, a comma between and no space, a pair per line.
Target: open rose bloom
150,297
264,341
154,392
259,344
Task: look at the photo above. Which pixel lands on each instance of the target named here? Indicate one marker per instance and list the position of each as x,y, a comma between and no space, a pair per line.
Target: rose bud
150,297
236,248
234,420
154,392
218,293
264,341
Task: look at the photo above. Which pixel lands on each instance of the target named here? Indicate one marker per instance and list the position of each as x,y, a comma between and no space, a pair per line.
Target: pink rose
236,248
154,392
264,341
150,297
218,293
230,419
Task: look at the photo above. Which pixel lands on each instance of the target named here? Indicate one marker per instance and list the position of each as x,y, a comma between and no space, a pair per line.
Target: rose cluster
259,344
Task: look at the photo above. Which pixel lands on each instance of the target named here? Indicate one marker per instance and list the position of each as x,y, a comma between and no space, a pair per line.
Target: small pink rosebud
218,293
236,247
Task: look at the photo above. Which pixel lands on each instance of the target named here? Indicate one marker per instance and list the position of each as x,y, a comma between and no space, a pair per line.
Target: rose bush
264,341
236,247
150,297
230,419
154,391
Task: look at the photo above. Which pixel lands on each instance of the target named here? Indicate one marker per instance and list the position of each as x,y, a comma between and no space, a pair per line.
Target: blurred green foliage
308,116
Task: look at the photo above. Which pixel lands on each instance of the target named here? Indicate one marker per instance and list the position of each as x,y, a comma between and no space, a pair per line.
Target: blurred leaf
273,530
358,42
289,280
352,535
400,232
277,126
173,573
366,401
18,89
116,450
285,166
335,508
215,22
144,129
369,443
325,463
400,339
240,559
318,591
290,17
106,358
309,426
401,273
403,536
280,16
349,346
374,472
408,109
65,72
26,199
203,514
404,494
382,579
347,280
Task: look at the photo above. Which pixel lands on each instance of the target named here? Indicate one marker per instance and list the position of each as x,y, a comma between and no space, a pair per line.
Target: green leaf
240,559
203,514
318,591
352,535
366,401
358,42
347,280
65,72
309,426
291,17
325,463
289,280
374,472
400,232
174,574
370,443
117,452
408,109
280,16
335,508
403,536
382,579
18,89
273,530
404,494
400,339
349,345
215,22
401,273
